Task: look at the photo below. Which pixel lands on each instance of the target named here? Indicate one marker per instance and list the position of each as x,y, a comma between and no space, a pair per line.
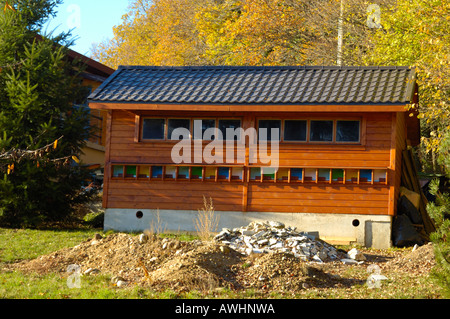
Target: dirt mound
419,261
205,267
163,263
275,271
118,254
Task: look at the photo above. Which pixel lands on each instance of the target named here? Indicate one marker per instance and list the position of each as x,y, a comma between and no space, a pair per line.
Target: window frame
333,131
348,142
283,124
153,118
361,120
167,138
201,119
191,128
218,119
270,119
362,129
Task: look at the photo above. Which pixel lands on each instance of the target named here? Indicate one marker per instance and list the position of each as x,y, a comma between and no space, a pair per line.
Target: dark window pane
178,123
295,130
223,173
321,131
347,131
230,124
130,171
265,129
205,124
117,171
157,171
153,129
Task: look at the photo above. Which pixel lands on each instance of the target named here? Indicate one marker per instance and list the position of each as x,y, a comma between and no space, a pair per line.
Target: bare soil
167,263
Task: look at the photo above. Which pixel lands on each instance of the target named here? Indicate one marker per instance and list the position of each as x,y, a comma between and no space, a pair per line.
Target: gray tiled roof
257,85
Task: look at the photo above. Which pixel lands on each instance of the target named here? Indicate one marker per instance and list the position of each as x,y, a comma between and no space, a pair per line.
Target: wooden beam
137,128
248,107
393,156
107,169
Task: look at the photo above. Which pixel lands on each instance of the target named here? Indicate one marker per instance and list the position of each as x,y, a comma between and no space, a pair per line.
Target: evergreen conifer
38,117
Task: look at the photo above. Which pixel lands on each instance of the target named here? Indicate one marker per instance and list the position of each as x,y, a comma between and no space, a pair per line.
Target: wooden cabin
92,76
341,132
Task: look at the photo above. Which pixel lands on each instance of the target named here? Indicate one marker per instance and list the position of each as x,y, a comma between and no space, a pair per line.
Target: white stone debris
272,236
143,238
91,271
356,255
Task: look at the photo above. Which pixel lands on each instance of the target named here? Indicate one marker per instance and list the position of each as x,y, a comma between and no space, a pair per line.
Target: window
310,174
296,174
321,131
184,124
183,172
229,124
255,174
265,128
365,175
351,176
237,173
144,172
171,173
157,172
223,173
130,171
295,130
210,173
153,129
268,173
283,174
379,176
117,171
347,131
324,175
204,125
196,173
337,175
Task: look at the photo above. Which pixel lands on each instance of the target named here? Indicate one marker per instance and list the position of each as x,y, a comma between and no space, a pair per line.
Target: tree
257,32
415,33
218,32
38,88
154,32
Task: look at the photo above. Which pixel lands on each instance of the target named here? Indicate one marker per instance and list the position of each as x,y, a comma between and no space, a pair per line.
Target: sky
91,21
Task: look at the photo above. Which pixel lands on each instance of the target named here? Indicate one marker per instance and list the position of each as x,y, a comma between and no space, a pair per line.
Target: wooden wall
377,150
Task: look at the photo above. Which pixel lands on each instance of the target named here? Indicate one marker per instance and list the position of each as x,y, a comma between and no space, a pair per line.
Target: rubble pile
273,236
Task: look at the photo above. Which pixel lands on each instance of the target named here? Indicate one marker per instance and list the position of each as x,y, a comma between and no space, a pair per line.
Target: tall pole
340,34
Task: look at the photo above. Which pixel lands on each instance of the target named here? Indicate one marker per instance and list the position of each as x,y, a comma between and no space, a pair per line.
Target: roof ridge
262,67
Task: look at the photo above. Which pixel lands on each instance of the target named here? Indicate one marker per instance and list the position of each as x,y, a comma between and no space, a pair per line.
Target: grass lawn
24,244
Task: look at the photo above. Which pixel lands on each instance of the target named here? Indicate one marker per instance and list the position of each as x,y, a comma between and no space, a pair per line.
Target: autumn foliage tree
297,32
41,130
416,33
223,32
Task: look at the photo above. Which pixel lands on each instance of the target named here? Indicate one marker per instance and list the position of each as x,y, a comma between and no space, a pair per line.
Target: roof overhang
250,107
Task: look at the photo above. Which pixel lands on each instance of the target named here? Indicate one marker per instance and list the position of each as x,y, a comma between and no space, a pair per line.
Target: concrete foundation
367,230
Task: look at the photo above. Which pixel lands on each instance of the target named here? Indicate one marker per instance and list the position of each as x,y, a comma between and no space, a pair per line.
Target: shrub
439,212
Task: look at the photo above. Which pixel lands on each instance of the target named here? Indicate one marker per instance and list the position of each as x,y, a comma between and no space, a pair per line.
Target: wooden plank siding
378,149
375,153
400,145
174,195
